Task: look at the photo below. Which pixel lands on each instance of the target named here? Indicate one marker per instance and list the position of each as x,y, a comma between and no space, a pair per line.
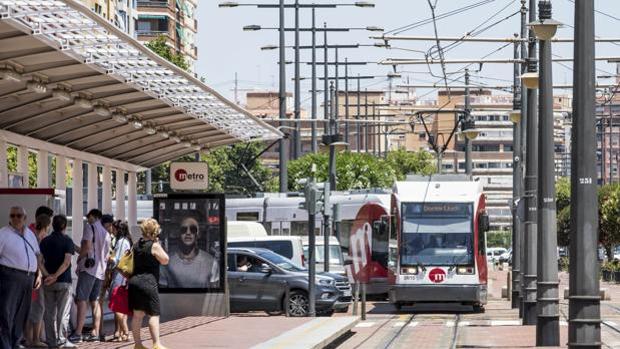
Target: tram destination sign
438,209
189,176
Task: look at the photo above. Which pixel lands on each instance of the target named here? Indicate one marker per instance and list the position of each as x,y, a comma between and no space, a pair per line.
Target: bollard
356,294
509,287
363,302
286,302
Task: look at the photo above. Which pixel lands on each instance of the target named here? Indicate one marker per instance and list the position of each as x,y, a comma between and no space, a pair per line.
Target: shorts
37,307
88,287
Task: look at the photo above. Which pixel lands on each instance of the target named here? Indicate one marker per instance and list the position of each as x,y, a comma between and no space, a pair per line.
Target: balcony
153,3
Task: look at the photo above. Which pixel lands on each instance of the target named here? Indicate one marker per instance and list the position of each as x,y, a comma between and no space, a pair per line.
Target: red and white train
439,225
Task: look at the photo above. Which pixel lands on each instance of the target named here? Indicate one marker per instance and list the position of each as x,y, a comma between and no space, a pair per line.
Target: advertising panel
194,235
189,176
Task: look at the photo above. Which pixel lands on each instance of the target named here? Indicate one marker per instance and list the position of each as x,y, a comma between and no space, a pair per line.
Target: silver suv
260,279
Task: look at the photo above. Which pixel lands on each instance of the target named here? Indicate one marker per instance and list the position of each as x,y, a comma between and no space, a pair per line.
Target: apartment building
122,13
176,20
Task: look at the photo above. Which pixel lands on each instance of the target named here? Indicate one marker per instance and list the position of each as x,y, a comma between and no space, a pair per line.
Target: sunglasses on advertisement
16,215
193,229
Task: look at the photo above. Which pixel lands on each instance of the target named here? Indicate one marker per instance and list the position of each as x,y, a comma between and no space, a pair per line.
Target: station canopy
69,77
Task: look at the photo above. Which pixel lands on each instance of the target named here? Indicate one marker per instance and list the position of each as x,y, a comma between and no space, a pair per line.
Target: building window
148,25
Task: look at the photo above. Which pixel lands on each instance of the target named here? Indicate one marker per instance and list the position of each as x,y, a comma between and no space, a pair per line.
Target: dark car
260,279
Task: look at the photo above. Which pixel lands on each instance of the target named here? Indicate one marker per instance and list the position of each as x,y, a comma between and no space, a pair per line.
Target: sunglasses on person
16,215
193,229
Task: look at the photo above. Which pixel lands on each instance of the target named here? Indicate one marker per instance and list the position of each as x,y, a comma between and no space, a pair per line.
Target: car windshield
437,235
282,262
335,254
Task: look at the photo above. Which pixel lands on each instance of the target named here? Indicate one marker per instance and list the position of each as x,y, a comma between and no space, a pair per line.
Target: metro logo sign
437,275
189,175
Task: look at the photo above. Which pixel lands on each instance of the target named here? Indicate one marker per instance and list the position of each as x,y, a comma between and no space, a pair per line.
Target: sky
224,49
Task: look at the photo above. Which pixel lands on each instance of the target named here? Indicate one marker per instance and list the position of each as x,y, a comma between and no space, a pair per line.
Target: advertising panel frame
222,288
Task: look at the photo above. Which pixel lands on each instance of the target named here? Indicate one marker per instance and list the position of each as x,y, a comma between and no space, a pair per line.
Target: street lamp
468,129
530,80
547,296
515,116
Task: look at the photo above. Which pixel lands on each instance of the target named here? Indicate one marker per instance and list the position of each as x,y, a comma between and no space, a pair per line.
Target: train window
299,228
345,234
247,216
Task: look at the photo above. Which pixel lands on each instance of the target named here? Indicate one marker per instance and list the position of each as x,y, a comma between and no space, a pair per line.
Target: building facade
176,20
122,13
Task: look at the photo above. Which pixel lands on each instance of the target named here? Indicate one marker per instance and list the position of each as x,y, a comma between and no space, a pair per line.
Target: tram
439,224
363,231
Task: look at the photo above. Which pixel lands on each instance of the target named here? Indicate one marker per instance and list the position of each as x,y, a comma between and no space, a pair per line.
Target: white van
290,247
238,229
336,259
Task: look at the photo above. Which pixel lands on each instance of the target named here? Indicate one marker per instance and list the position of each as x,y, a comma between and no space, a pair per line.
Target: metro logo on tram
437,275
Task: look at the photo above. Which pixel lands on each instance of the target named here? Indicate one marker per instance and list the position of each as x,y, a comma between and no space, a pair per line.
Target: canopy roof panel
70,78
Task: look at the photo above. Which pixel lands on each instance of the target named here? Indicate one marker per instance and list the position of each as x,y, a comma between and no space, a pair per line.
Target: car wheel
298,304
399,306
478,308
326,313
342,310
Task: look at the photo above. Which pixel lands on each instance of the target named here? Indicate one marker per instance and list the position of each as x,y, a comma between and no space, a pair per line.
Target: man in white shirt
19,274
92,261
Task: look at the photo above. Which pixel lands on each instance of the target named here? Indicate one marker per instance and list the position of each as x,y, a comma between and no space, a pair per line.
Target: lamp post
584,325
515,117
284,143
518,259
547,298
528,273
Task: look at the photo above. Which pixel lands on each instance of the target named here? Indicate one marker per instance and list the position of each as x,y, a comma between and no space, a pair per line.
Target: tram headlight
409,270
465,270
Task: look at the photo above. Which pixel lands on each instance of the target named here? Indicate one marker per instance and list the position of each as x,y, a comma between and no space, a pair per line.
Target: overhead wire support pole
531,173
547,293
366,118
284,144
468,145
584,313
346,102
297,140
518,257
358,133
325,82
314,145
516,182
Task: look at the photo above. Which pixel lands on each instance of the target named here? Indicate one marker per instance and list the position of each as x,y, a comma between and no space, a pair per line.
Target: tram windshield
437,234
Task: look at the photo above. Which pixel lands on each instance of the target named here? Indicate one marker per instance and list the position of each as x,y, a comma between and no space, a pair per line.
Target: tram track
605,324
399,332
455,331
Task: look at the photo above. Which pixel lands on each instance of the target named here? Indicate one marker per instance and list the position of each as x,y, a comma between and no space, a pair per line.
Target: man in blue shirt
57,249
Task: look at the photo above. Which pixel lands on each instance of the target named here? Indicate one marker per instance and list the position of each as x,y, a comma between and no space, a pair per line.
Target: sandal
115,339
124,338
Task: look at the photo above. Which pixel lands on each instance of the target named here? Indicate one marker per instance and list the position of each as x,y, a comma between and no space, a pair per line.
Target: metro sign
437,275
189,175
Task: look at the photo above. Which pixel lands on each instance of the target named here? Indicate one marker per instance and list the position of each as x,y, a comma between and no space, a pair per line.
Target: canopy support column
61,172
22,164
77,195
4,168
43,170
132,200
120,195
92,186
106,190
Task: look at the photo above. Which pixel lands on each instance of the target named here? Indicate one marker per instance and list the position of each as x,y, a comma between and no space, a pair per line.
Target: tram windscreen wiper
420,265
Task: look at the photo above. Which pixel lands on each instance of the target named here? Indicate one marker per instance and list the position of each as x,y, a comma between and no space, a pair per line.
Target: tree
226,172
404,163
159,46
609,217
562,201
360,170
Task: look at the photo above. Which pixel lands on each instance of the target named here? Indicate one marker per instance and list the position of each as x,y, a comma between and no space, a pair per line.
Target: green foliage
563,263
499,239
562,202
159,46
613,265
609,215
225,171
360,170
404,163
